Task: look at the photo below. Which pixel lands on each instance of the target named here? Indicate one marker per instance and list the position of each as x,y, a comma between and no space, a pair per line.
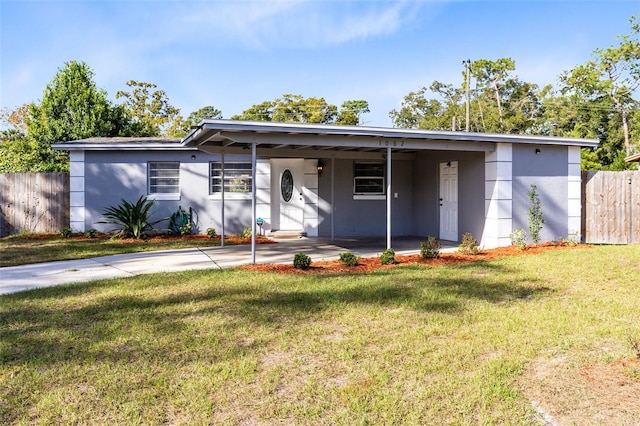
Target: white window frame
151,167
231,171
359,176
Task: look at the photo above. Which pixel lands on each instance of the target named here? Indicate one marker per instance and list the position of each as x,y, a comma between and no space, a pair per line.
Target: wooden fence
611,207
33,202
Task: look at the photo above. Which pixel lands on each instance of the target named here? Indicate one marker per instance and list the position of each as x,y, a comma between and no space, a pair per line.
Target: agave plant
132,218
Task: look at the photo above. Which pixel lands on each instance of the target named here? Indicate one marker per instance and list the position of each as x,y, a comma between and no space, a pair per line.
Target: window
164,177
368,179
237,177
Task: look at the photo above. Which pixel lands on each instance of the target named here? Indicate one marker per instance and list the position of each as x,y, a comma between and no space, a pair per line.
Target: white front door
449,201
286,194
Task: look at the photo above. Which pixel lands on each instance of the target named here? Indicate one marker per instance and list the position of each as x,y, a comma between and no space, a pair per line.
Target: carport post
253,202
222,196
389,197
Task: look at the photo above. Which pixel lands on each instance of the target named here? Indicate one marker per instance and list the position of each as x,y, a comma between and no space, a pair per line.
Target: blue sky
233,54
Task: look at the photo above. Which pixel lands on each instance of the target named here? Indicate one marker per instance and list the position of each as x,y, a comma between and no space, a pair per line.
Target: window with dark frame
237,177
368,179
164,177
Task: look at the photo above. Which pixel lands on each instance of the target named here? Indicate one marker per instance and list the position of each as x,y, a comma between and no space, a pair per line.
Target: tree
180,127
297,109
418,112
150,111
73,108
493,75
351,112
613,73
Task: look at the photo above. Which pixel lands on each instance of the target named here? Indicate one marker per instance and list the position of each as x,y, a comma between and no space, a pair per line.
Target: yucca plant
132,218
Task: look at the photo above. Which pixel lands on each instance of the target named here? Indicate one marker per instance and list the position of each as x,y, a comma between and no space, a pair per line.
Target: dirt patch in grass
373,263
600,393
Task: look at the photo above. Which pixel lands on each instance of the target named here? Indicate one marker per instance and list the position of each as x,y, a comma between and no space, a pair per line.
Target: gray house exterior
335,181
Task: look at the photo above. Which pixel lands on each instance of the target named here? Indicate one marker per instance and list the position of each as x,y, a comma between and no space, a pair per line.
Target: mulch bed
373,263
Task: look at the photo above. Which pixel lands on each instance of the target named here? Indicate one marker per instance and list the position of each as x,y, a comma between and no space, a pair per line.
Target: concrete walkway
28,277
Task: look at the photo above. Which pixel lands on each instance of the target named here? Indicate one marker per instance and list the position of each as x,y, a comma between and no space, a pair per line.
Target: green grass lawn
411,345
34,248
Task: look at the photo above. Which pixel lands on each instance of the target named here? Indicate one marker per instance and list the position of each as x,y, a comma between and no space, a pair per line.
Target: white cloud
296,24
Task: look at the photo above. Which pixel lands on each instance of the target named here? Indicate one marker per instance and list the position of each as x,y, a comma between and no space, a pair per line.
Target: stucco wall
548,171
426,205
364,218
111,176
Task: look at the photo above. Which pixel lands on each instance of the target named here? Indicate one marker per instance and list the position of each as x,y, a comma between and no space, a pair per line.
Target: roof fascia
379,132
121,147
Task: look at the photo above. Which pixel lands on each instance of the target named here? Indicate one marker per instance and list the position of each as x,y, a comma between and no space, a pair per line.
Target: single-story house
335,181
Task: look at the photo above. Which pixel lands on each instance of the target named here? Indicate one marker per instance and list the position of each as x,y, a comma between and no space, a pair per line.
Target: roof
121,143
285,138
281,136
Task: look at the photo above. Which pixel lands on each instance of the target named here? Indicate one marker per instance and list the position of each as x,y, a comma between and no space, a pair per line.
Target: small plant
388,257
246,233
518,238
469,244
211,232
180,222
572,240
430,249
349,259
132,218
535,215
66,232
301,261
90,233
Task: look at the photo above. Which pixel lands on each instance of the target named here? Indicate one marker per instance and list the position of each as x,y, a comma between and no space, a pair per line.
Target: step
286,234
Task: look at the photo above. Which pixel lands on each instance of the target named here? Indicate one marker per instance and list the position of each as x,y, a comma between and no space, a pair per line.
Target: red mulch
373,263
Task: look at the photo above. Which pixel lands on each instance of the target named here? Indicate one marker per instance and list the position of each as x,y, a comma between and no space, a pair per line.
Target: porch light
537,151
320,167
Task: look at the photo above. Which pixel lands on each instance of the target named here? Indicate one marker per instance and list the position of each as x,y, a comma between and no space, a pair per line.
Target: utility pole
467,66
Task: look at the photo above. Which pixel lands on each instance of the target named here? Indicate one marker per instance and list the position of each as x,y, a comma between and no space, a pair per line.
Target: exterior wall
110,176
426,204
77,198
498,190
363,218
549,171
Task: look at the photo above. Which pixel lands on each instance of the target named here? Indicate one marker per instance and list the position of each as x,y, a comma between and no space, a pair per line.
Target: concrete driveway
28,277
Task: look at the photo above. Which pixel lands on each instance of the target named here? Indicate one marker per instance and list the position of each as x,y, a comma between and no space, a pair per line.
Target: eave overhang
215,135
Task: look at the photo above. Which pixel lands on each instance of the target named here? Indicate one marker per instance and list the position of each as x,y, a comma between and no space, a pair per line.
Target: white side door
286,193
449,201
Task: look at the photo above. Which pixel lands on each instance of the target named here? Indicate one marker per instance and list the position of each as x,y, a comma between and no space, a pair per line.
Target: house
335,181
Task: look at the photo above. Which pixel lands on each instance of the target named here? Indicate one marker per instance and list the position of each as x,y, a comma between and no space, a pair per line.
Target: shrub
66,232
535,215
301,261
246,233
430,249
349,259
90,233
388,257
469,244
211,232
180,222
132,218
518,238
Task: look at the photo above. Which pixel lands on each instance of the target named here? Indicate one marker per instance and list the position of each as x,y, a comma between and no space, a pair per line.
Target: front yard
506,341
